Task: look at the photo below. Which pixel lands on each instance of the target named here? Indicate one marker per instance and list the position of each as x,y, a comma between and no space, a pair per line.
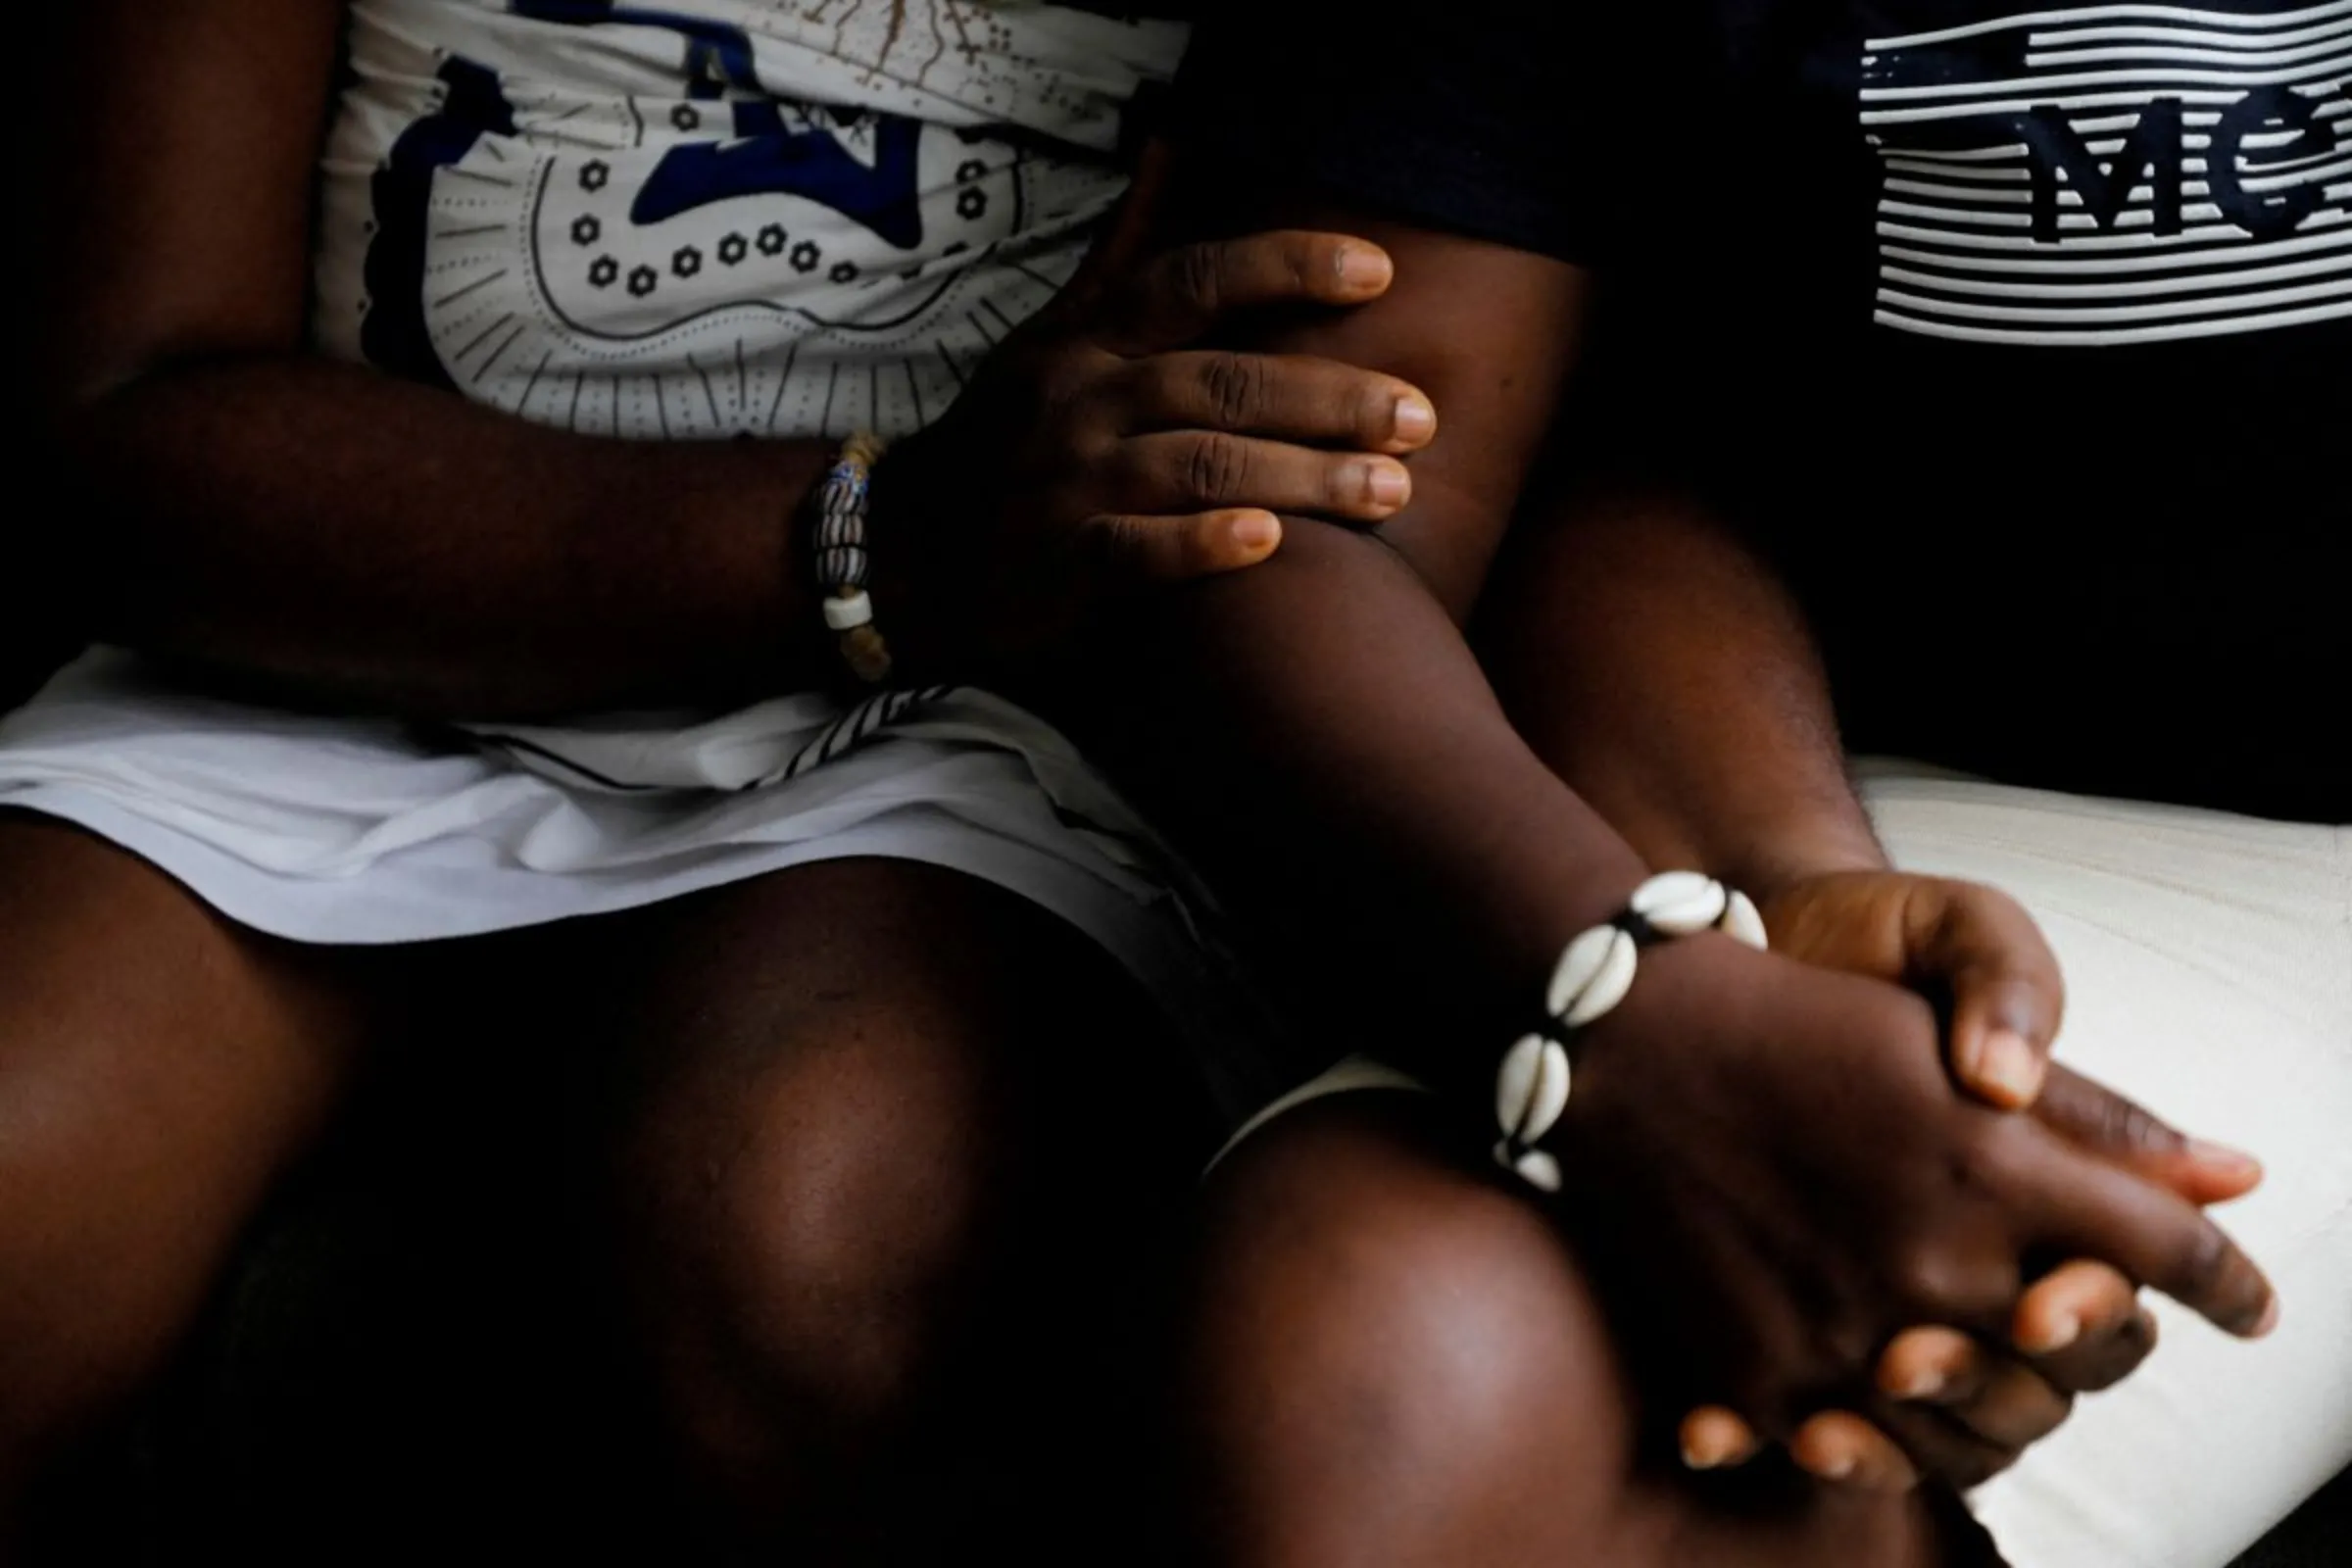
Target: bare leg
158,1067
1395,1363
891,1145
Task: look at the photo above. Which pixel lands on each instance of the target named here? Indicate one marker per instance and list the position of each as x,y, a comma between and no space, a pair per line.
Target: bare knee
158,1067
1400,1362
836,1169
91,1301
804,1263
1396,1362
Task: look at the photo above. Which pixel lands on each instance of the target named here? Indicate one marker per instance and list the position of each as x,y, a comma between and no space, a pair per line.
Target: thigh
158,1067
2208,961
885,1140
1396,1359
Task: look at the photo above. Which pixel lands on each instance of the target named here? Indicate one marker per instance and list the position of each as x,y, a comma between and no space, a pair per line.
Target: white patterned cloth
781,217
696,219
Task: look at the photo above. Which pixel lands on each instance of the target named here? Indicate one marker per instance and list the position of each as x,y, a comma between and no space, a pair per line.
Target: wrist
1791,834
1595,975
897,511
1773,864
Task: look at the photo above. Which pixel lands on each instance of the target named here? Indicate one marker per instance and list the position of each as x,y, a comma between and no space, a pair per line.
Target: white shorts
2207,960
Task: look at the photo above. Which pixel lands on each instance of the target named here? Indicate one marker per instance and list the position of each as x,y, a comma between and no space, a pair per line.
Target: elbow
84,391
115,436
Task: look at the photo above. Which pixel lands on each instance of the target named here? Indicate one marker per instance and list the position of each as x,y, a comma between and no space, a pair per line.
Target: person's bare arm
1662,669
1324,724
1651,657
236,500
1318,736
320,529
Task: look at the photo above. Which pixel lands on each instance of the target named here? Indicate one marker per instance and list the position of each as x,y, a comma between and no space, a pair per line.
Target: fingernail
1257,531
1713,1456
1968,1060
1924,1383
1362,267
1414,420
2010,1067
2223,1160
2266,1322
2065,1329
1710,1445
1385,485
1836,1469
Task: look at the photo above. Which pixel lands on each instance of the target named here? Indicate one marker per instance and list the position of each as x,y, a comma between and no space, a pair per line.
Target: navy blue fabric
1464,120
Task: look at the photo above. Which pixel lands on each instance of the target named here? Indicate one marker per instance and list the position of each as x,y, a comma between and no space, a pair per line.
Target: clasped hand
1783,1171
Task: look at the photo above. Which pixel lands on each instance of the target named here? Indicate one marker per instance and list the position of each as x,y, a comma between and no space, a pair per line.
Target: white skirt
337,830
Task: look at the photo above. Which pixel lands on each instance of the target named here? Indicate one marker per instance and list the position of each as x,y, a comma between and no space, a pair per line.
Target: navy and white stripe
2114,173
858,726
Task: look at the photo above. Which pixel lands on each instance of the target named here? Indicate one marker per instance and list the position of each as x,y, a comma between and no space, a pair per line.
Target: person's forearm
1316,736
333,532
1315,733
1656,664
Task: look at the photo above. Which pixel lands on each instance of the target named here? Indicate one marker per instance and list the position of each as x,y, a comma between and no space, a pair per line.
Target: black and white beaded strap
838,546
1593,976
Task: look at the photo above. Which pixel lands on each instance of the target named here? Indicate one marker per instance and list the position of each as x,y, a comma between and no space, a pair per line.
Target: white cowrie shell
1586,957
1538,1170
1515,1083
1609,986
1551,1094
1679,903
1743,924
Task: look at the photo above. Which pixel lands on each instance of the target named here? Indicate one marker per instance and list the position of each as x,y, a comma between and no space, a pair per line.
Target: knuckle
1843,1344
1060,387
2204,1264
1103,542
1304,258
1235,389
1215,468
1978,1163
1119,539
1085,470
1197,274
2115,1360
1923,1275
2125,1125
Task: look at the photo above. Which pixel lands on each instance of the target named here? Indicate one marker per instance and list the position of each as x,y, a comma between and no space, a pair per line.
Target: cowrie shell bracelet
1593,976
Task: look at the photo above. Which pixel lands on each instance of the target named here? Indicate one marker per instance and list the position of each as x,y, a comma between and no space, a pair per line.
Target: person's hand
2078,1329
1968,1404
1977,949
1773,1175
1107,445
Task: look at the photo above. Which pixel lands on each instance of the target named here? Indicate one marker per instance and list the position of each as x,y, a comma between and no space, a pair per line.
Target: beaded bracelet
838,546
1593,976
